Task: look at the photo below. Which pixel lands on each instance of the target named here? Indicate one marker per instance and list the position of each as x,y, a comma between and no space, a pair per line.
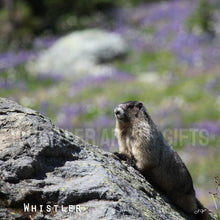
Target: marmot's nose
118,111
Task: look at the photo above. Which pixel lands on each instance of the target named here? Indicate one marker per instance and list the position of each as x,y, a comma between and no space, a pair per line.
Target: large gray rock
41,164
80,52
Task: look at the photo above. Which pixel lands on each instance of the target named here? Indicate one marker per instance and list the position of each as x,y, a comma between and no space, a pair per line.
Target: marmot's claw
120,156
123,157
131,163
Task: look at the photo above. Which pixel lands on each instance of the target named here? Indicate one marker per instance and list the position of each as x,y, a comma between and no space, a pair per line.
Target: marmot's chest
129,143
137,136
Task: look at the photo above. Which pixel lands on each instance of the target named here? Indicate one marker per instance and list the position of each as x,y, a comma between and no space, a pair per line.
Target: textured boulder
80,52
48,173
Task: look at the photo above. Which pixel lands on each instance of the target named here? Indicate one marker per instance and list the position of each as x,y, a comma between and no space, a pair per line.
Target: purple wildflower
98,80
67,114
104,121
49,76
166,22
6,84
44,42
12,59
211,127
44,107
212,85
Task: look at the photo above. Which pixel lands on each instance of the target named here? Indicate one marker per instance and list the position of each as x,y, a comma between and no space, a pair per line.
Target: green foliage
137,2
155,60
202,20
54,13
216,197
31,17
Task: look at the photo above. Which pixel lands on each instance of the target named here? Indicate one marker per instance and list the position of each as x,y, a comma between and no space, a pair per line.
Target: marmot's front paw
132,163
120,156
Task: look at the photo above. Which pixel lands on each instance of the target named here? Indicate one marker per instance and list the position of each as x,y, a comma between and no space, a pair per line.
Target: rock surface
43,165
79,53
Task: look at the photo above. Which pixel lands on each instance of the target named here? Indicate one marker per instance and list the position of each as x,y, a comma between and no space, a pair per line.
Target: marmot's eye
140,105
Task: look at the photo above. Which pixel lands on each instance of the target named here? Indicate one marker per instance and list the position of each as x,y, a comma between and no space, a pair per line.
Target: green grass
141,62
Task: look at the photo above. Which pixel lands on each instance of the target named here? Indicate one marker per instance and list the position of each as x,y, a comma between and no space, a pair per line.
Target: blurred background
74,61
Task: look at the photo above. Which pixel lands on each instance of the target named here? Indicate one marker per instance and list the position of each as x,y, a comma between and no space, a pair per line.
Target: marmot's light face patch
119,113
127,110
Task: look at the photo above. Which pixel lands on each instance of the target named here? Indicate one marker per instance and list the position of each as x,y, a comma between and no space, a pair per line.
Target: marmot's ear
140,105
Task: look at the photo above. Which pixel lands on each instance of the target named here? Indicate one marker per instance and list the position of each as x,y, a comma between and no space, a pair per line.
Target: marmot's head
130,111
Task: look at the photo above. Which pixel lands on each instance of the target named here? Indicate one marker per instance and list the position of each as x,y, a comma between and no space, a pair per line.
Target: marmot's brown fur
141,141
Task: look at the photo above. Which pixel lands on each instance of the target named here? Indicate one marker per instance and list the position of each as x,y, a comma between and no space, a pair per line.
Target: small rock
80,52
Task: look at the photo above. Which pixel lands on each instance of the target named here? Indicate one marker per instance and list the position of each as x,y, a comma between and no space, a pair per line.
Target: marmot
141,141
